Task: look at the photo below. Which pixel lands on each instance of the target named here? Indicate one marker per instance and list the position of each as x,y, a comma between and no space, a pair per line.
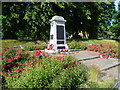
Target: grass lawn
73,44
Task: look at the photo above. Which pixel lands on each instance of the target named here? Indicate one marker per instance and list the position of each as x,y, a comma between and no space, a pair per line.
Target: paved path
84,55
108,66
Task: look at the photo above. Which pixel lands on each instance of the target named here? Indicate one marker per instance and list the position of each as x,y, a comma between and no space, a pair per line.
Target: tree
26,20
30,21
115,28
105,19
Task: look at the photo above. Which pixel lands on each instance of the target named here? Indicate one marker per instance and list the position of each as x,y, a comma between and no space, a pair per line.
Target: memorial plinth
57,34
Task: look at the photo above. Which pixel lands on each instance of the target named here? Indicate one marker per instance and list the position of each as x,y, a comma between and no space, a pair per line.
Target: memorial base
51,51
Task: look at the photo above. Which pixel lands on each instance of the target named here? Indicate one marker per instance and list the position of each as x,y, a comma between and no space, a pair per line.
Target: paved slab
108,66
113,72
102,64
85,55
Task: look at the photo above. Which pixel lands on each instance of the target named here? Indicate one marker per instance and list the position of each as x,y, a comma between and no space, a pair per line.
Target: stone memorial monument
57,34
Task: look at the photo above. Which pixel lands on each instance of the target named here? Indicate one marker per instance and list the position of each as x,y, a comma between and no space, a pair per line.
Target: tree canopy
115,27
30,20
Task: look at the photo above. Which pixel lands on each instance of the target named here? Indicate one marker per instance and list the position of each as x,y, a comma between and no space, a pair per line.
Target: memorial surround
57,35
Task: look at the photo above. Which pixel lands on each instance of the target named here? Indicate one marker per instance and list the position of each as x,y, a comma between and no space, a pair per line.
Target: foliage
116,22
95,80
104,47
22,69
37,45
13,59
107,50
89,84
94,73
12,43
104,29
26,20
111,83
28,45
42,71
77,45
30,20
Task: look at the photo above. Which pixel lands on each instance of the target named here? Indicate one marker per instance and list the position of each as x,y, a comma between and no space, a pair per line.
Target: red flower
35,60
106,57
20,68
49,56
18,71
23,50
4,74
38,55
99,54
9,60
73,65
4,66
35,48
20,64
40,59
5,49
1,53
26,53
19,54
74,62
27,63
61,58
1,58
9,72
50,46
0,73
17,57
62,53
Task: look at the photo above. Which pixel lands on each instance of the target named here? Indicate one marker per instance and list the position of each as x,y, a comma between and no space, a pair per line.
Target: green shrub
89,84
105,83
31,45
53,72
11,43
12,58
94,73
77,45
71,77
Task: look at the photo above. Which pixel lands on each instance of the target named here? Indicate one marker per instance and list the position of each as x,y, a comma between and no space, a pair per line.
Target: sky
116,4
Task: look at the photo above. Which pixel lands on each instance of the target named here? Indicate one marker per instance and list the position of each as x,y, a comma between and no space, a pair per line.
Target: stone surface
51,51
57,33
58,18
84,55
102,64
113,72
108,66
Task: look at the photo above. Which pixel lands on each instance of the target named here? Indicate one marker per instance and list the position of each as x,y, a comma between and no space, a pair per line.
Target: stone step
102,64
86,55
112,72
110,66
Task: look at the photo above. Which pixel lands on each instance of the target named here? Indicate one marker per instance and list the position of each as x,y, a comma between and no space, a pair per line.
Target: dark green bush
77,45
89,84
51,73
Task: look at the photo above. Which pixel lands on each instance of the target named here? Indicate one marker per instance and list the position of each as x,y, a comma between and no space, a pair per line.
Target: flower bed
107,51
40,70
